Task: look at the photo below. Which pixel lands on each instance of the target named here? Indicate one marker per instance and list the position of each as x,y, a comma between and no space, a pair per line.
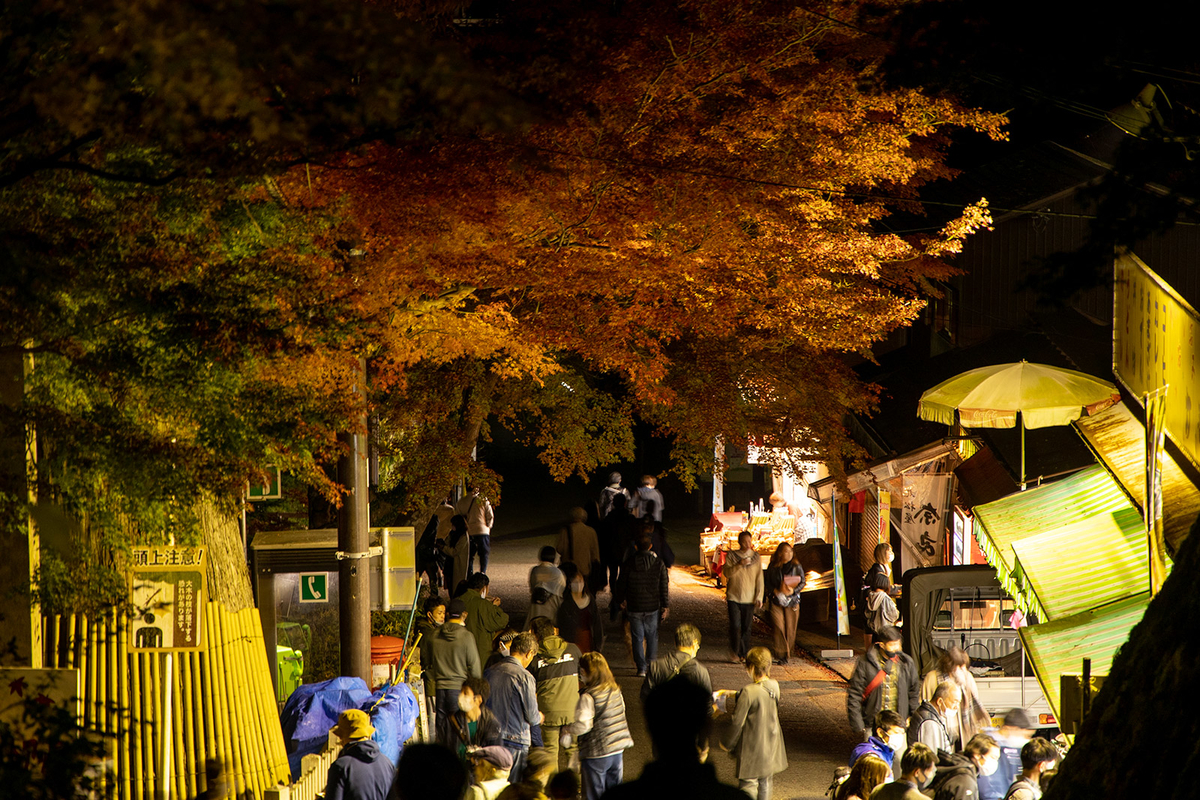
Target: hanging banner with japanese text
167,592
926,502
1156,343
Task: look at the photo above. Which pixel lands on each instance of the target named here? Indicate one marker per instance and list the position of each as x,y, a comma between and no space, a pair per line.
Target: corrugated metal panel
1085,565
1118,440
1058,648
1074,499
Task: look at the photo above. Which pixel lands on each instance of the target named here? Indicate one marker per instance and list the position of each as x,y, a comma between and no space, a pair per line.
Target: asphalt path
813,703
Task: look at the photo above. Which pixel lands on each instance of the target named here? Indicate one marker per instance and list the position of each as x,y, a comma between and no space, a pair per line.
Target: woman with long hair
868,772
783,581
599,727
882,565
579,620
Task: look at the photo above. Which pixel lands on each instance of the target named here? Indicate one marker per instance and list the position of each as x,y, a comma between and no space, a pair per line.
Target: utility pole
354,587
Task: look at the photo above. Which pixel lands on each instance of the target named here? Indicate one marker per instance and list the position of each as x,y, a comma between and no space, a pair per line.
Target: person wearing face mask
928,723
889,737
917,768
884,678
472,725
579,620
514,700
882,566
971,717
958,774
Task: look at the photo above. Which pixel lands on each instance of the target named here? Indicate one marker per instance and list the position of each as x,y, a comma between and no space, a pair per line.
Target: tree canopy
562,221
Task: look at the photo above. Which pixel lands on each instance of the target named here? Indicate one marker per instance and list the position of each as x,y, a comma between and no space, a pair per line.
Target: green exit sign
314,587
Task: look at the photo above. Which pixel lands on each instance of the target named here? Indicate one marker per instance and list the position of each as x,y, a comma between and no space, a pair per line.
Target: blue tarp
313,709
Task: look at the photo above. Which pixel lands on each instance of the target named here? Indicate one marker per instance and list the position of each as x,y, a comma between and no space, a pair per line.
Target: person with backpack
881,611
546,587
884,677
754,733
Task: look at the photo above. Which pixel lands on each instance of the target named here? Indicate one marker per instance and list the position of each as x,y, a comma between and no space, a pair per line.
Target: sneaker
641,673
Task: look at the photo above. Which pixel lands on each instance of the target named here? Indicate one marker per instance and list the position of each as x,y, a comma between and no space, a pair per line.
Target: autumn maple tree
690,232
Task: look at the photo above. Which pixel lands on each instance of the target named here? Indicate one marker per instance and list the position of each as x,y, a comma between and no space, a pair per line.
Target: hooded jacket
957,778
643,583
881,611
484,620
555,671
453,657
361,772
744,576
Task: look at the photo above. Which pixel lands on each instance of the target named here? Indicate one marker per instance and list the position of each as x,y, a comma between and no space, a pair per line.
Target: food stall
769,529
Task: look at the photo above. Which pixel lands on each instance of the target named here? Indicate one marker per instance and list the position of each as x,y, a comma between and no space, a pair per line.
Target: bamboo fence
221,705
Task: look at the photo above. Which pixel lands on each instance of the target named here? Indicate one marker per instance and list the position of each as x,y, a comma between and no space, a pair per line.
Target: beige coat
971,717
754,733
743,577
582,548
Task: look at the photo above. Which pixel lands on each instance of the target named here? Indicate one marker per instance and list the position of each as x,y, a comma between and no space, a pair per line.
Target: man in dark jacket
361,771
682,662
514,699
958,773
453,657
644,594
928,723
883,678
473,724
555,671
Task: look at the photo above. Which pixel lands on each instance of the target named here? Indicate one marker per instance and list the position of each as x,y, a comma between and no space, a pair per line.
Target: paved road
813,707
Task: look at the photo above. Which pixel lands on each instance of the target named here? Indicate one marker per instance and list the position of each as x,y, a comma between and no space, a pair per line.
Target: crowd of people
532,709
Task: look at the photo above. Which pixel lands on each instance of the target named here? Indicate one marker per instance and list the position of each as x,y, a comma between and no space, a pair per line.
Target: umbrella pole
1021,425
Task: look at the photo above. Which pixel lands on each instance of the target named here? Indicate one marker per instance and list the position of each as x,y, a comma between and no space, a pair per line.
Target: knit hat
457,607
353,724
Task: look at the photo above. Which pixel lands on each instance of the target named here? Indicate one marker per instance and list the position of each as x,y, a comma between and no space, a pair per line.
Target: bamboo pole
257,728
121,706
248,727
233,691
152,719
51,647
188,737
93,719
179,755
135,721
65,653
206,668
196,729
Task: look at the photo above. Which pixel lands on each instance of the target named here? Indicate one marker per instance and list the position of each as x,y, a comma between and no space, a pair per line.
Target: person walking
473,724
958,774
884,677
743,593
600,728
681,663
754,734
480,518
579,620
889,737
546,587
485,618
457,549
578,545
1037,756
615,533
609,494
783,582
644,496
867,773
1015,731
453,657
928,723
644,593
514,699
361,771
971,717
917,768
555,671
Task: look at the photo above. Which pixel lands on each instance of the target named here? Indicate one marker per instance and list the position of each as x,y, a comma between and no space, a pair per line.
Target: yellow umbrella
992,397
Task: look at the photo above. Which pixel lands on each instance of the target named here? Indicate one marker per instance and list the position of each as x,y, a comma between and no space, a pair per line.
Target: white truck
966,606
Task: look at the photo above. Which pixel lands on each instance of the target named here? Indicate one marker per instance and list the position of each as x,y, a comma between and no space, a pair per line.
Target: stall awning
1085,565
1085,494
1059,647
1119,441
883,470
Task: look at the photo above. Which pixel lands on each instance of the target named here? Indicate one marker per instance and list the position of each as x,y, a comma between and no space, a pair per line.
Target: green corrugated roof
1085,565
1074,499
1059,647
